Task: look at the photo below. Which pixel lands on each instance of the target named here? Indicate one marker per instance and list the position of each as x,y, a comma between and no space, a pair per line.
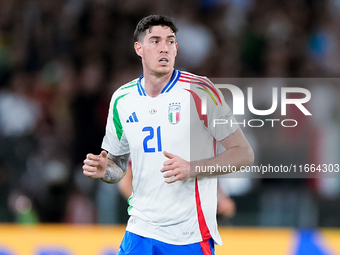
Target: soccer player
159,119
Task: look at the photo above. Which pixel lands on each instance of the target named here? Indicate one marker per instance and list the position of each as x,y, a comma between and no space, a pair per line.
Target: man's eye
171,42
154,41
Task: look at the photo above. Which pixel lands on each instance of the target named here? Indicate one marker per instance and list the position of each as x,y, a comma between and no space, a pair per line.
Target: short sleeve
221,121
115,141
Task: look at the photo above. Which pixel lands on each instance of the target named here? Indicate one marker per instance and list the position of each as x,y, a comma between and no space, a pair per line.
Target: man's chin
163,71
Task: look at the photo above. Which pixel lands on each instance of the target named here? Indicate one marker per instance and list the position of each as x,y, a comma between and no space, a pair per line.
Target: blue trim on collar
172,81
166,89
141,90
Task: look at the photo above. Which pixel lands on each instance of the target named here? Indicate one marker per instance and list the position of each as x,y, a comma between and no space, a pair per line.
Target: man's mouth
163,60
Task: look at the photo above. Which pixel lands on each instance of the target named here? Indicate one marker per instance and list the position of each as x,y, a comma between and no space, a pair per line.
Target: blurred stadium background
60,61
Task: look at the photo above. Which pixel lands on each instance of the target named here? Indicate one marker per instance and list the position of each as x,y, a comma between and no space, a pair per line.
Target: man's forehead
157,30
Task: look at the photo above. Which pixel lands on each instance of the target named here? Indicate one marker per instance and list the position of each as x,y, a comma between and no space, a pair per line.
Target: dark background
60,61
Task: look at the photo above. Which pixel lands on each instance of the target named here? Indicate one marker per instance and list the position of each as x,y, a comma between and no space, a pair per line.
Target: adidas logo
132,118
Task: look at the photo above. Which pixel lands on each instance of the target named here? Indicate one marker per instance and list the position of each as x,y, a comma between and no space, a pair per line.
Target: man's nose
164,47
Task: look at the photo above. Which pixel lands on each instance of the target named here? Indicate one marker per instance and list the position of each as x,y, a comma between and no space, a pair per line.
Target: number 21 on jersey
150,136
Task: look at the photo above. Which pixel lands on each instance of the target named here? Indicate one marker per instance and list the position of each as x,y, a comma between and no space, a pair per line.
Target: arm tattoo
116,168
121,161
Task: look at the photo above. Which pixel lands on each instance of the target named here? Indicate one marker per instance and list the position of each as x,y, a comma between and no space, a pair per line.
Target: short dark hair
151,21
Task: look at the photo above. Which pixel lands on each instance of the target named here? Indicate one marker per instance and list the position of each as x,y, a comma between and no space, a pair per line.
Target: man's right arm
107,167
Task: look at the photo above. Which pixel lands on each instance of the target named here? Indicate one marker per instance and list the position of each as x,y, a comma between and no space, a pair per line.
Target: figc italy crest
174,113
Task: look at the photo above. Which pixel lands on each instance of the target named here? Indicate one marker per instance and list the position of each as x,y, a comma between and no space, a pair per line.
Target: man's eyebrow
154,37
157,37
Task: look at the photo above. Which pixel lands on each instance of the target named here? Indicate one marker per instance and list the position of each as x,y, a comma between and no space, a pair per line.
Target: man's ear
176,48
138,49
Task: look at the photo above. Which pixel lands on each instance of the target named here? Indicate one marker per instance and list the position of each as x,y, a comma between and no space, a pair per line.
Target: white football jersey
183,212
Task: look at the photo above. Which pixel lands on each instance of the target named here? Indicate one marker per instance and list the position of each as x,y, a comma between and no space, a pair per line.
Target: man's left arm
238,154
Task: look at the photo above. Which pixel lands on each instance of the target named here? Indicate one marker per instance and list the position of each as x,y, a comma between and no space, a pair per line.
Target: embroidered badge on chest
174,113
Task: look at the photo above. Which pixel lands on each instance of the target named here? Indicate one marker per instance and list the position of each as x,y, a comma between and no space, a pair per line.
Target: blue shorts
133,244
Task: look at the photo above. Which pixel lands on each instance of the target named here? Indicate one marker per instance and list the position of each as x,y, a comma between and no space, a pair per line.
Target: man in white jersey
159,120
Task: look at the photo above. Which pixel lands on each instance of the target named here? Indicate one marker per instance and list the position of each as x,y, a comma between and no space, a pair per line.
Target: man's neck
154,84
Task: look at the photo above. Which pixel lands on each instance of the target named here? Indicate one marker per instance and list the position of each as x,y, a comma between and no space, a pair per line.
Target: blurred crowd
61,60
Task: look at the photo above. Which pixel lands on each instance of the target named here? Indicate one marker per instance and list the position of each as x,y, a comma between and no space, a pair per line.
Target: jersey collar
166,89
